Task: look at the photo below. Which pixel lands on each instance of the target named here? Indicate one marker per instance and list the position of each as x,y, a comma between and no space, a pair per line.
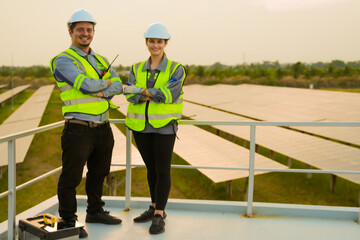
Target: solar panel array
315,151
285,104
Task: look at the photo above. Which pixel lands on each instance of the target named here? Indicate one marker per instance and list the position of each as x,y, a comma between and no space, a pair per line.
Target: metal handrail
28,183
47,174
293,170
11,193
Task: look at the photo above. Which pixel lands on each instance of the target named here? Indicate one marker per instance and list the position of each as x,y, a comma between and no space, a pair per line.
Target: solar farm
321,147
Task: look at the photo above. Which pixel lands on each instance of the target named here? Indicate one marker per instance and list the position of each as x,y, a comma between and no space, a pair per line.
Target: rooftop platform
200,219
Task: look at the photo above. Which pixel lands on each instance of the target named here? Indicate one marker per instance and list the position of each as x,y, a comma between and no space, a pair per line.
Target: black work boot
70,223
157,225
102,217
66,223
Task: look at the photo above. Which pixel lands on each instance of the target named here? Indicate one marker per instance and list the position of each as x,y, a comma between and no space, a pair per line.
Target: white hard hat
157,30
81,15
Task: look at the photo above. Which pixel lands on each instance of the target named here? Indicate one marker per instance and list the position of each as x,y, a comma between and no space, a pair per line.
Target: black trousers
156,151
82,144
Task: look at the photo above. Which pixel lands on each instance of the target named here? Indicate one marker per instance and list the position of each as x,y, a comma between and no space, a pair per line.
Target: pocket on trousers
73,131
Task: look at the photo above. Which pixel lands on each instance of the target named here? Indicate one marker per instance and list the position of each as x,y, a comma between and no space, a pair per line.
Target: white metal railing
11,193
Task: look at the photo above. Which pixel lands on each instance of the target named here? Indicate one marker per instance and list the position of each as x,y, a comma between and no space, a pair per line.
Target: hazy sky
203,31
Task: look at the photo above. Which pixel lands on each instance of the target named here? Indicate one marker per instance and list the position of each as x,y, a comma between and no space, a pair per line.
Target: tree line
336,73
335,68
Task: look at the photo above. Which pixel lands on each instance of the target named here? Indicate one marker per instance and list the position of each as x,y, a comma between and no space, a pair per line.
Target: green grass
45,154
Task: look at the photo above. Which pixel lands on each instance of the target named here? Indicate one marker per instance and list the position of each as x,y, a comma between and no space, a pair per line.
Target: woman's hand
131,89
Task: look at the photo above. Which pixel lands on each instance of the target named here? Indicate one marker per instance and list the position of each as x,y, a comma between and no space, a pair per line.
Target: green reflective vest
159,114
73,99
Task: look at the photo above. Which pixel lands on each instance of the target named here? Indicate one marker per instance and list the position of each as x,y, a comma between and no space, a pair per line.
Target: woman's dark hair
166,40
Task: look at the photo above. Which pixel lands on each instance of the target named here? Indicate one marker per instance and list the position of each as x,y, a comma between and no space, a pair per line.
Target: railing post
128,169
12,190
251,171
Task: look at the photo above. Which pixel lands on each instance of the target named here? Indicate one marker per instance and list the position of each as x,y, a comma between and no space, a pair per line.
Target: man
87,84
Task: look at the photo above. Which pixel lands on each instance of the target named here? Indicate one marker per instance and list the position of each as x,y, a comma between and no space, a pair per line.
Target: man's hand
101,94
108,82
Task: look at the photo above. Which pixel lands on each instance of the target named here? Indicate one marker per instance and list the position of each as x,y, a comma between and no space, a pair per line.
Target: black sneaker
102,217
157,225
83,233
146,216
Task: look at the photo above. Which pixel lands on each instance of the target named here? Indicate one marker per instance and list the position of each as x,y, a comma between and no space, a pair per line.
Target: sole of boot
154,233
102,222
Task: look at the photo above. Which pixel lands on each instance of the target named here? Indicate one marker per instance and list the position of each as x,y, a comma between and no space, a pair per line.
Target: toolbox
47,227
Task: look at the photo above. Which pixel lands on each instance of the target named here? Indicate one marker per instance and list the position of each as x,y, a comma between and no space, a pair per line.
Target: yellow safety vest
159,114
73,99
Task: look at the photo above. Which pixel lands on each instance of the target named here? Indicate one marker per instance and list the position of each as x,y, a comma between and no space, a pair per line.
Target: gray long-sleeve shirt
67,72
159,96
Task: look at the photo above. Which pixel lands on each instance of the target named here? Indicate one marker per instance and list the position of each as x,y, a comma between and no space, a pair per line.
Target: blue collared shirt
67,72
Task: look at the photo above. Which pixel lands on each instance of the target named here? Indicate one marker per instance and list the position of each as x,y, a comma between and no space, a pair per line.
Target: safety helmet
157,30
81,15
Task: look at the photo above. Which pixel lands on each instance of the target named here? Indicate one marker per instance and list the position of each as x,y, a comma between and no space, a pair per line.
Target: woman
154,92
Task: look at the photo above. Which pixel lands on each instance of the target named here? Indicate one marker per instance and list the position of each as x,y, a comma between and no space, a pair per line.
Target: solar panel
26,117
12,92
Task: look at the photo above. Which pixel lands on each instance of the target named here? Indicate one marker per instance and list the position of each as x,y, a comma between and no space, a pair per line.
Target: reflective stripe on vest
158,114
73,99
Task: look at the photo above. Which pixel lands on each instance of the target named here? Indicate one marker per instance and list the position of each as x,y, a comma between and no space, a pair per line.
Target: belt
86,123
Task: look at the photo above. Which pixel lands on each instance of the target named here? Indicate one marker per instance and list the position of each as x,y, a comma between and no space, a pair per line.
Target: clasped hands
132,89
